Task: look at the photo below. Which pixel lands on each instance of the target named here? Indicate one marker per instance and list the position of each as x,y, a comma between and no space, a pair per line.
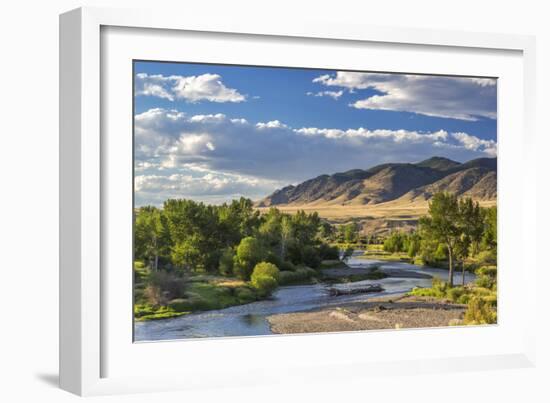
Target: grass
300,276
202,292
394,210
481,301
144,312
214,294
373,274
376,252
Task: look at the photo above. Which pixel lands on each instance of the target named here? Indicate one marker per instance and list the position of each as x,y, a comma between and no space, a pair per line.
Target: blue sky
214,132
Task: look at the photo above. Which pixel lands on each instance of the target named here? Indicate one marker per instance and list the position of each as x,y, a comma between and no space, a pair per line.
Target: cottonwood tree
443,224
151,235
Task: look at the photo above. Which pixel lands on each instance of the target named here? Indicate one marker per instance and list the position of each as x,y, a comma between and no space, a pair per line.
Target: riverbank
391,312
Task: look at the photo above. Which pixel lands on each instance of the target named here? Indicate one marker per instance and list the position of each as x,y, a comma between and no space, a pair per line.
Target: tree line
230,239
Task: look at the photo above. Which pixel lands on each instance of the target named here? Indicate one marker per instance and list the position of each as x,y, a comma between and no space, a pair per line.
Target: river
250,319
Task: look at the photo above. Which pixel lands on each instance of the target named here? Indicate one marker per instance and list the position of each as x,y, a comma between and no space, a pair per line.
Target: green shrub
490,271
464,299
491,300
487,257
439,286
264,284
479,312
301,274
455,293
287,266
179,305
328,252
265,278
245,294
438,289
266,269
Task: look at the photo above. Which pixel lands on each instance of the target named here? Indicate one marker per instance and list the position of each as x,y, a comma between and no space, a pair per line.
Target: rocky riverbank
376,313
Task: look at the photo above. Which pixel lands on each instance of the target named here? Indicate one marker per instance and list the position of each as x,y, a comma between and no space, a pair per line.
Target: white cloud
205,87
220,157
439,96
193,181
273,124
393,135
332,94
476,144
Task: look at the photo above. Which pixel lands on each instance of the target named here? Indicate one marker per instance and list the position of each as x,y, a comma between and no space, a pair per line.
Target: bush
265,278
301,274
479,312
327,252
265,269
464,299
264,284
487,277
287,266
179,305
161,287
245,294
439,286
487,257
490,271
455,293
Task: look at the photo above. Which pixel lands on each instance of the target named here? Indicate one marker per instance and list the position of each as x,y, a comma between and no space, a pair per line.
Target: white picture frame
91,355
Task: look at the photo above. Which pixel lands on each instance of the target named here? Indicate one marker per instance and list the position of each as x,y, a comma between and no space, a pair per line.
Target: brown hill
395,181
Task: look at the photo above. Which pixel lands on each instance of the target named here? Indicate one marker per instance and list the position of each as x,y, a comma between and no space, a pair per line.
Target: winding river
250,319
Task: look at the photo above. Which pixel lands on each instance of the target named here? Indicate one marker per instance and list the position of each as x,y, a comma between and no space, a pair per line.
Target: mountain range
404,182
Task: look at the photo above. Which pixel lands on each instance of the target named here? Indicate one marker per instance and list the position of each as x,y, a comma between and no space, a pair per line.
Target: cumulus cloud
272,124
205,87
474,143
215,157
199,183
439,96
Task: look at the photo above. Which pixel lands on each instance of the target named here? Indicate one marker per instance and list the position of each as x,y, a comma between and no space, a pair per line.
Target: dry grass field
392,210
376,219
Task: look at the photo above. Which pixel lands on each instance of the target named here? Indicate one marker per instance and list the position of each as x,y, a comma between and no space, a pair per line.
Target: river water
250,319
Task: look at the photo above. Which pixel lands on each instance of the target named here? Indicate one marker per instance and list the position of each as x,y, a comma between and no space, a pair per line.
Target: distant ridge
393,181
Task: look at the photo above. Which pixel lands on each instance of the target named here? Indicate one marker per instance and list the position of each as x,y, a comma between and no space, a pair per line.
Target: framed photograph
238,197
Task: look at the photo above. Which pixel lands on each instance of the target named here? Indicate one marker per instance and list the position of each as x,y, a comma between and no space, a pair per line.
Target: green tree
443,225
151,236
249,252
265,277
225,266
472,226
394,242
413,247
489,237
350,232
186,255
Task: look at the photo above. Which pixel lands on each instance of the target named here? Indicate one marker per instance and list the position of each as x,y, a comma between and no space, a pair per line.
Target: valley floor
392,210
